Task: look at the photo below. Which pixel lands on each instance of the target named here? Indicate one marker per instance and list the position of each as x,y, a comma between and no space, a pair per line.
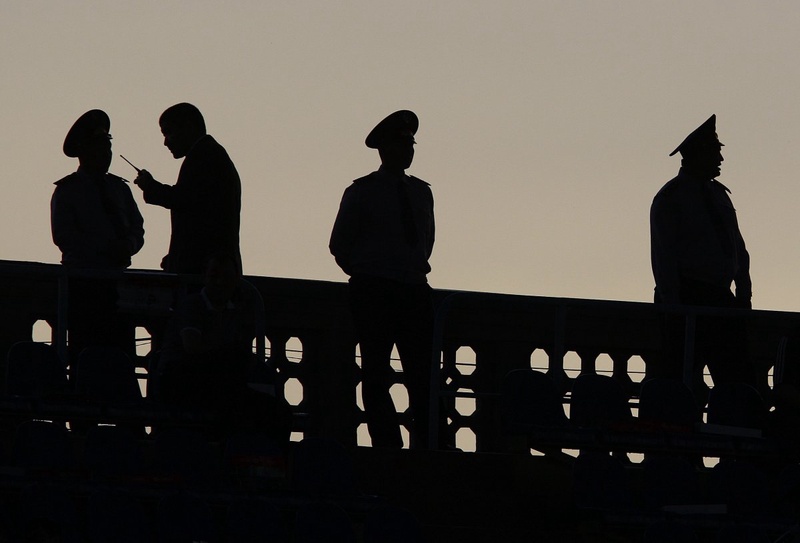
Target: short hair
183,114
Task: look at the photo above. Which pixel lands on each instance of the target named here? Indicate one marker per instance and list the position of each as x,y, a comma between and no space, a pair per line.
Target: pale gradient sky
544,125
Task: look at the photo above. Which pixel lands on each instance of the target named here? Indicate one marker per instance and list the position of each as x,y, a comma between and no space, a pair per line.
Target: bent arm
345,230
155,192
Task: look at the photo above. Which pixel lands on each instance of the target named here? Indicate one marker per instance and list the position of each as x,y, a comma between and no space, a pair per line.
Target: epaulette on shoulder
67,179
117,178
674,184
365,178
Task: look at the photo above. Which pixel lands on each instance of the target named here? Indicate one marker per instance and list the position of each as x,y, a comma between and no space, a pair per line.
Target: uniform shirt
89,213
385,228
694,234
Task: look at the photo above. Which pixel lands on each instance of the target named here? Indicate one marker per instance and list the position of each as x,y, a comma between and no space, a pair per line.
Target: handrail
560,309
64,274
503,330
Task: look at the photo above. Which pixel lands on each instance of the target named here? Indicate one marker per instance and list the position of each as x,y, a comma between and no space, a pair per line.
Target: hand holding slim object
143,179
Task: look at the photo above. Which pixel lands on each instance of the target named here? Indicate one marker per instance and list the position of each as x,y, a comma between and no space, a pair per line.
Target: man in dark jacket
205,202
382,238
698,252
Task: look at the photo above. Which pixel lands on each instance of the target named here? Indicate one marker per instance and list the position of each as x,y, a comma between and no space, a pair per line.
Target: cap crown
83,129
391,126
703,137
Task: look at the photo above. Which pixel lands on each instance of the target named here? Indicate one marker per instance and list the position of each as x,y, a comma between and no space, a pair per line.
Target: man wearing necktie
382,238
697,253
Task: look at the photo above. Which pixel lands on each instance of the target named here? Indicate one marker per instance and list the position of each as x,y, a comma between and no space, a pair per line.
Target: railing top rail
450,298
516,302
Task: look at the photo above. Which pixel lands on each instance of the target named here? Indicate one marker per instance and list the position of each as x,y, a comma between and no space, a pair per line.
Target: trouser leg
415,345
376,380
371,305
720,342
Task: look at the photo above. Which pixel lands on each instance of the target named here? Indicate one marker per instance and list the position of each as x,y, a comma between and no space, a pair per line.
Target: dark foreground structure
562,434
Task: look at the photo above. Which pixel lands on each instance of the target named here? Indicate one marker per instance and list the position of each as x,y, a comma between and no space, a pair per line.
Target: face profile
175,139
710,161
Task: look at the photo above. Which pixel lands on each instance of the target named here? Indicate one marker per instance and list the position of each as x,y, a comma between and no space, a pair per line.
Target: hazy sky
544,125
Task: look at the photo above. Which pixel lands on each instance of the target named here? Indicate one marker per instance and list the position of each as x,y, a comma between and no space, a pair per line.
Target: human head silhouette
393,137
90,142
182,125
701,150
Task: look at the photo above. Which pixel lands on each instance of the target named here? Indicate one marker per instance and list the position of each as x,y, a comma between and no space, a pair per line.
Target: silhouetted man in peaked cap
94,218
697,253
97,225
382,238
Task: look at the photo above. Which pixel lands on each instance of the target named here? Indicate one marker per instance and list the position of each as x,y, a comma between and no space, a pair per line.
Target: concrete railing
479,337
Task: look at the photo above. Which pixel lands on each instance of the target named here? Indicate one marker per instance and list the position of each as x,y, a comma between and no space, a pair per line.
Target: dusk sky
545,126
